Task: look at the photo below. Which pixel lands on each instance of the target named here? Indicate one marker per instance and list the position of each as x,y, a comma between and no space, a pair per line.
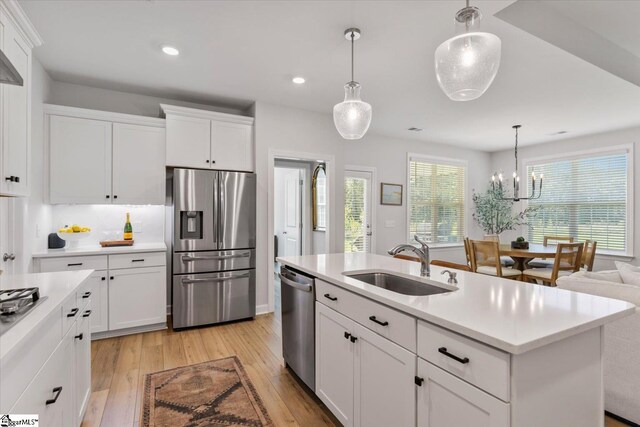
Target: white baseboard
128,331
262,309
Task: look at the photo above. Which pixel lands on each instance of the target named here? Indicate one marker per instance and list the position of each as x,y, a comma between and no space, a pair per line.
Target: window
357,211
319,195
585,197
436,200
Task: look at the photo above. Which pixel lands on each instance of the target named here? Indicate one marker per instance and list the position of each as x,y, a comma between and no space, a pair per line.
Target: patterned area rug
215,393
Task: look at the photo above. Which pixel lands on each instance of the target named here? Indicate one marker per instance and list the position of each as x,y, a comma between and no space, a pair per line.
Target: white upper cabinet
208,140
190,138
17,38
98,157
80,160
141,150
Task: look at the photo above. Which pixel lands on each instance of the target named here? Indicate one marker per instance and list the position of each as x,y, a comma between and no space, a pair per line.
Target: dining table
521,257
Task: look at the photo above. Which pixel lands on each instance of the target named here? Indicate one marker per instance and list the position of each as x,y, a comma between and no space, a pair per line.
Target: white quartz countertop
513,316
99,250
57,287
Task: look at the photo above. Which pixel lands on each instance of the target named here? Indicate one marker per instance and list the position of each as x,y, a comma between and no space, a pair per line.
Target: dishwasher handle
299,286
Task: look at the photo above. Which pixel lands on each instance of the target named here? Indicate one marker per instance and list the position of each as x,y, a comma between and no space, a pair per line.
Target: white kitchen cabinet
137,297
80,160
208,140
97,157
138,173
384,376
446,401
188,141
334,362
231,146
17,38
82,350
99,286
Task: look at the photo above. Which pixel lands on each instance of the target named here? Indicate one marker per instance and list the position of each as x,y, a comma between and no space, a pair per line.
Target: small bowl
74,237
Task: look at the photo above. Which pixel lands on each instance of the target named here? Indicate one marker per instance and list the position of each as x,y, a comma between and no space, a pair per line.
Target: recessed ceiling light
298,80
414,129
170,50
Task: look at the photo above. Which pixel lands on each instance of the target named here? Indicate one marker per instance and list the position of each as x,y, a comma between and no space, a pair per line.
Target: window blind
436,201
355,215
321,202
585,198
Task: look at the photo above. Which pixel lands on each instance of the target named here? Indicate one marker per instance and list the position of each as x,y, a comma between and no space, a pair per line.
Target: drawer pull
138,260
328,296
444,351
104,278
418,381
87,313
75,264
374,320
79,337
353,339
73,312
111,277
86,295
57,391
347,335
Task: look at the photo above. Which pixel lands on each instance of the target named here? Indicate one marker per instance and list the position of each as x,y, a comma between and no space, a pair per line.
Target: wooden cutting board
109,243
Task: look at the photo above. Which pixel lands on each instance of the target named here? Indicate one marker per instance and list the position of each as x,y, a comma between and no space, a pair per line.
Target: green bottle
128,230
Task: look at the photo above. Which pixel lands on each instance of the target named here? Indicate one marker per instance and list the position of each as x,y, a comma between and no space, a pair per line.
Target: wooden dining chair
485,259
448,264
492,237
407,257
588,254
546,241
567,261
504,260
467,251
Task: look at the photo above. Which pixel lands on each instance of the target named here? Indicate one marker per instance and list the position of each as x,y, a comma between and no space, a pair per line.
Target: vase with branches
495,215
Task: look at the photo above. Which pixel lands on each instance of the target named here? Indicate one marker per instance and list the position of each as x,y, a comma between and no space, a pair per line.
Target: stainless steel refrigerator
214,239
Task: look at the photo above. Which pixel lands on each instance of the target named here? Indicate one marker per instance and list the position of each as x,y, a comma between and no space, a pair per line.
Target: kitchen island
45,358
489,351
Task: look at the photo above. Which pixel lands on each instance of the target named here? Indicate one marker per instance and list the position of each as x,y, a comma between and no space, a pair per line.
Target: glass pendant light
467,63
352,116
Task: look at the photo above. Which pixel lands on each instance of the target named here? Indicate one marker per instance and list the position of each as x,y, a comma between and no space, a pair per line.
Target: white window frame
627,149
407,202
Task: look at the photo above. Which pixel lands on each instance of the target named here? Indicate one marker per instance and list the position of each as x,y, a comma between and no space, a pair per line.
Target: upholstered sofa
622,341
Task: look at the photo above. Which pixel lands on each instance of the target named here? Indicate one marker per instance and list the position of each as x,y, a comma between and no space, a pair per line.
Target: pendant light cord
516,151
352,37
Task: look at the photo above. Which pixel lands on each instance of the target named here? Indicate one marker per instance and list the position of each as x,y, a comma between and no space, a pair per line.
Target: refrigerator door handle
213,279
189,258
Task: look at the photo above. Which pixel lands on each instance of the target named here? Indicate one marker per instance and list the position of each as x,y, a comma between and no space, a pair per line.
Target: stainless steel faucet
452,277
423,254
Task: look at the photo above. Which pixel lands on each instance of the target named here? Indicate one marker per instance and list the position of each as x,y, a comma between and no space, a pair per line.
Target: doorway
289,206
359,220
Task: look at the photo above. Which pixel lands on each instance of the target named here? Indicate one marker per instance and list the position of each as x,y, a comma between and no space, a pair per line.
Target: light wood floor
118,367
120,364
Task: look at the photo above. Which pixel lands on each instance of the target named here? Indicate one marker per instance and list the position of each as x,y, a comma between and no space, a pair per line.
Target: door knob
8,257
284,232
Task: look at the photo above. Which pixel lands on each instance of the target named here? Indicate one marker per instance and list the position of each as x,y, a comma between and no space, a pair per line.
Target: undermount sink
398,284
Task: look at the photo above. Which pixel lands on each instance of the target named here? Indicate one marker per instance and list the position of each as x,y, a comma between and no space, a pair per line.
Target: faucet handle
422,242
452,276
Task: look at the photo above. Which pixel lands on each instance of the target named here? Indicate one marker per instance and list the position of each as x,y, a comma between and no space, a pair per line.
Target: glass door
358,204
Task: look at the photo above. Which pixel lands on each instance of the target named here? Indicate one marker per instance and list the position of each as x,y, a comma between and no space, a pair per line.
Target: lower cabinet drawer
90,262
391,324
143,259
476,363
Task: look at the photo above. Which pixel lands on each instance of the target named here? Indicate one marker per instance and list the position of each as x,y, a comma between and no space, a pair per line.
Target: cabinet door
231,146
384,377
137,297
80,160
16,117
82,349
57,373
99,318
447,401
138,165
334,362
188,141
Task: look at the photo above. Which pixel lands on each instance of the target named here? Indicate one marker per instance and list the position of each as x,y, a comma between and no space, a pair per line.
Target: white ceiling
235,52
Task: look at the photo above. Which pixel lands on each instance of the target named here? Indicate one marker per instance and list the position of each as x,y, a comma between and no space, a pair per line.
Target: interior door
138,164
292,224
358,209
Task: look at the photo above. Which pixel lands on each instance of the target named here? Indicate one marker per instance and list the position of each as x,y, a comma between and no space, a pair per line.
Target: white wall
503,160
389,157
80,96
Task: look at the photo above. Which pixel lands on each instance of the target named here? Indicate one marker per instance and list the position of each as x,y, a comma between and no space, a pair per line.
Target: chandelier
516,180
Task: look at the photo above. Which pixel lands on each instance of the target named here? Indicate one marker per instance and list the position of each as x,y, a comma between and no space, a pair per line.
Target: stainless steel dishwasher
298,324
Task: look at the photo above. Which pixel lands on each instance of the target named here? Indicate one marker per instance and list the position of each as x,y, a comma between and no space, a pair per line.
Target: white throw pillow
630,273
606,276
